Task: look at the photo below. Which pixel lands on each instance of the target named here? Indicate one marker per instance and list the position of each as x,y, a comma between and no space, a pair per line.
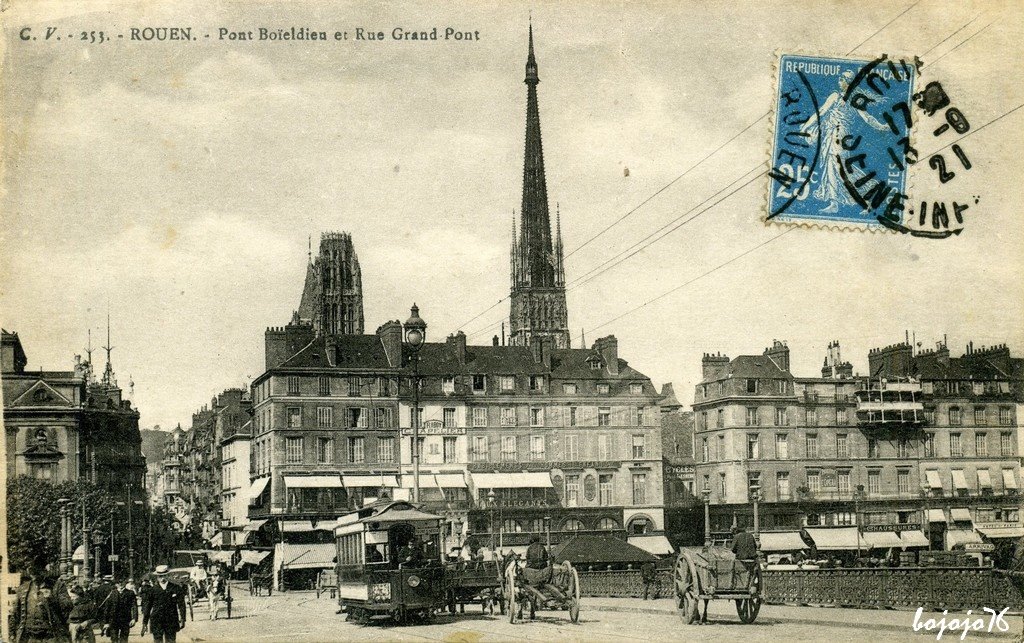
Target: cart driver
538,567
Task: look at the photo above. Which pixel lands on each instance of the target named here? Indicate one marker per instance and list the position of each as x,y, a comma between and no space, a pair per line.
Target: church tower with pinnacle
332,297
538,277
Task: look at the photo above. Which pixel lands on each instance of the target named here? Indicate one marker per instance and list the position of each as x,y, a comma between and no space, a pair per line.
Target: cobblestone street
301,615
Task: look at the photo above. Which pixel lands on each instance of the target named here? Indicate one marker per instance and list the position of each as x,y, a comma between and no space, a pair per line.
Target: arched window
639,525
572,524
608,524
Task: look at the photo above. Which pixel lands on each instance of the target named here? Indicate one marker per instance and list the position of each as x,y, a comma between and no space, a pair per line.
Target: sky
176,185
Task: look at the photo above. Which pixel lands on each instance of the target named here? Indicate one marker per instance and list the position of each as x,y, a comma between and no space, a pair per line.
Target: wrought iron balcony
884,403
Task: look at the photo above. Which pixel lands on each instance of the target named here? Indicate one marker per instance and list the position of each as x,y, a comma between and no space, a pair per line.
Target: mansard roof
931,366
341,351
754,366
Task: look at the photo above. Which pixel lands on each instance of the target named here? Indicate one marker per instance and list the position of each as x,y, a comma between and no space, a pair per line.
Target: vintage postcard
507,321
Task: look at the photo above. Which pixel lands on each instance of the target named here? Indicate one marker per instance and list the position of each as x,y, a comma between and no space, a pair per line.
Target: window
753,447
572,491
814,482
929,416
324,417
41,471
356,451
603,389
573,414
704,451
639,444
636,389
874,482
508,448
902,448
537,417
981,445
812,417
536,447
569,389
572,447
979,416
751,386
720,419
1005,416
384,386
572,524
955,418
844,518
602,447
639,488
1005,444
604,416
872,448
843,483
294,418
536,382
780,417
293,450
607,524
354,386
721,485
956,448
753,484
929,445
479,451
293,385
324,450
480,416
840,417
842,447
386,449
780,387
751,416
782,446
448,385
507,382
903,482
325,386
448,418
782,485
384,419
357,418
721,448
812,445
508,416
479,383
595,365
605,492
640,416
449,449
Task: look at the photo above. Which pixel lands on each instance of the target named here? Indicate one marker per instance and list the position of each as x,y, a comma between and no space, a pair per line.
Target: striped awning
835,538
936,515
258,487
781,541
960,514
881,539
913,538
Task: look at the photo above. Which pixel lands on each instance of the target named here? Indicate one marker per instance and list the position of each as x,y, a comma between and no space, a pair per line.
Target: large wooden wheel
574,594
509,591
747,608
687,588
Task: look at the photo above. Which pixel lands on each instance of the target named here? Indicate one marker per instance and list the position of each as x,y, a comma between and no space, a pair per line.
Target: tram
389,563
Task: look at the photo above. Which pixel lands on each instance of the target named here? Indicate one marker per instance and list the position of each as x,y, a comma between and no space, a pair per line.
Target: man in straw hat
163,613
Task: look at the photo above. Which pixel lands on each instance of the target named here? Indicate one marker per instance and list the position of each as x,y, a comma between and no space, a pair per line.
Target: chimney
390,335
891,361
458,343
609,349
779,353
844,371
826,368
942,354
331,349
540,346
714,365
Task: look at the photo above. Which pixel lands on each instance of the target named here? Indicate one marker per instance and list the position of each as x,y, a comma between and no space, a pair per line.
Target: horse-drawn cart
708,573
525,590
474,582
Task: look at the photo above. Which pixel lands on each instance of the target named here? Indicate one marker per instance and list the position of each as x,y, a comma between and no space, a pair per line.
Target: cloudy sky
178,183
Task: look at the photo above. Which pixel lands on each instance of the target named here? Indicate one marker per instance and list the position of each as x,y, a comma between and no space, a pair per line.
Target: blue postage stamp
841,141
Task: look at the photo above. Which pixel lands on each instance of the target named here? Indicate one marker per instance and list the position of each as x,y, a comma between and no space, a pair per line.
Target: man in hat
36,616
100,593
82,614
121,613
164,611
214,591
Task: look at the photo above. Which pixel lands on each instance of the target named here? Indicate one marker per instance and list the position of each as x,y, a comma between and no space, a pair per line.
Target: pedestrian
214,592
649,574
36,616
82,616
163,613
121,613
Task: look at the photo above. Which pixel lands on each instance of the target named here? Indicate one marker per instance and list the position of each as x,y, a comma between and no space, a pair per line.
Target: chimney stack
390,335
609,349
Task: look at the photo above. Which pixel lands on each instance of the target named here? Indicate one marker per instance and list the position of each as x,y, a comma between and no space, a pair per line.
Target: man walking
36,616
649,574
121,613
214,592
164,611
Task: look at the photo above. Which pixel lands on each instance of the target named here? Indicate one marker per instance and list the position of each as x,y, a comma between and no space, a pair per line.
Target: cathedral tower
332,298
538,278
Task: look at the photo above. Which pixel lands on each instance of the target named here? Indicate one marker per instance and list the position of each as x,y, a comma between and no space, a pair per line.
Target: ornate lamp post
547,530
858,495
755,497
706,494
65,535
415,336
491,503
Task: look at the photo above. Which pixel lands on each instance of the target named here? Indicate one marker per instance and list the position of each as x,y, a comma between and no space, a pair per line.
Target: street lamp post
415,336
755,496
65,536
112,559
491,503
857,497
547,530
706,493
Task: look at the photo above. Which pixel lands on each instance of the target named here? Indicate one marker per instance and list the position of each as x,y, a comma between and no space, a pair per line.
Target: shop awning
257,488
300,526
1009,531
934,481
1009,482
655,544
838,538
956,537
936,515
355,482
782,541
312,482
984,479
320,555
913,538
959,479
254,525
881,540
534,480
960,514
253,557
451,480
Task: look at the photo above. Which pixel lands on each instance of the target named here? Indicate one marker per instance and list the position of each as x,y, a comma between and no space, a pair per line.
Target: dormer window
595,364
603,389
479,383
536,382
448,385
636,389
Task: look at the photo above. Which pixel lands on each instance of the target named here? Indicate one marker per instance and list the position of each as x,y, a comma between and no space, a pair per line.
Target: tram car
389,563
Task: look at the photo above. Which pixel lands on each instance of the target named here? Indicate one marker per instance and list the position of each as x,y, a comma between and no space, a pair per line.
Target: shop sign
995,525
979,547
904,526
435,427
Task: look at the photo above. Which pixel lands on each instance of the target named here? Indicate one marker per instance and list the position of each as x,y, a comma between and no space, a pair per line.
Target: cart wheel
685,578
748,608
510,591
574,595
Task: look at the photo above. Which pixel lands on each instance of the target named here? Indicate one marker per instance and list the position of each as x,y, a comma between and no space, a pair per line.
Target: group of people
49,608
